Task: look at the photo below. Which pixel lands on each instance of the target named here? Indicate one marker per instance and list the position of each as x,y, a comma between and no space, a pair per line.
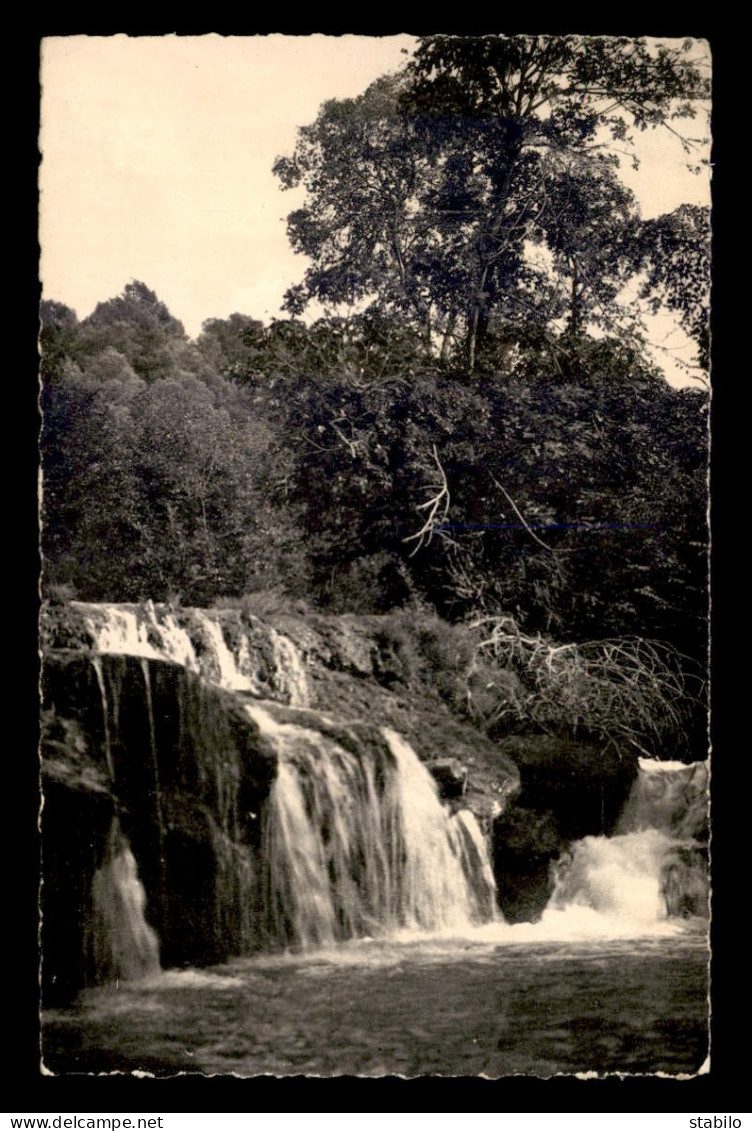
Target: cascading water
653,870
198,644
220,664
619,878
476,866
443,867
290,672
670,796
140,631
352,840
285,844
120,943
356,841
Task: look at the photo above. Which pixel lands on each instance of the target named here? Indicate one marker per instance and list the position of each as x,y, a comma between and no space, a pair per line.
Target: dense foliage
566,487
464,442
425,194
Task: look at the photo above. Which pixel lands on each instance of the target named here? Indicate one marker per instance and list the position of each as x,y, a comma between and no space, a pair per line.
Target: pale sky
157,155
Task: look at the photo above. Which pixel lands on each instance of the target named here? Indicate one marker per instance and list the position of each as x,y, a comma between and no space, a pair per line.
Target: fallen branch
633,692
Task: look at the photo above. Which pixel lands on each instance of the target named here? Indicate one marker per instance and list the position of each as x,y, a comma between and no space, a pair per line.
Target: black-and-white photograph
374,390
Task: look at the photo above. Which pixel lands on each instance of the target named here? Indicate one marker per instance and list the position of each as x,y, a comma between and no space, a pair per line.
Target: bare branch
532,533
437,507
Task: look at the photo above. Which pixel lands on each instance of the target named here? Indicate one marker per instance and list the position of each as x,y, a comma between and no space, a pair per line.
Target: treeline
560,481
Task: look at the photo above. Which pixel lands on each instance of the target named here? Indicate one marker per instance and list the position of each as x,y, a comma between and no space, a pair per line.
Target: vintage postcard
374,379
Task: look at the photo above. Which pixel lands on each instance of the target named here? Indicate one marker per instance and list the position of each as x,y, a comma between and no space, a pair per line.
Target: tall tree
139,327
362,225
543,98
423,193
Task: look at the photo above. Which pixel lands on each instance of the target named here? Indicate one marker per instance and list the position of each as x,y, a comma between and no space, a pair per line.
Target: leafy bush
60,593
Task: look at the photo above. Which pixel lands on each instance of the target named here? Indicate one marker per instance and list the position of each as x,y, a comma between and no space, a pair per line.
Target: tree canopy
424,194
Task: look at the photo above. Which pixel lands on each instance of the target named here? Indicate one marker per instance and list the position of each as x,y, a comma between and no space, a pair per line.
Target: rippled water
495,1002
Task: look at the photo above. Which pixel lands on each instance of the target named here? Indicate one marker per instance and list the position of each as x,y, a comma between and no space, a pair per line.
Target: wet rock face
450,776
182,766
78,810
525,844
583,783
685,886
75,824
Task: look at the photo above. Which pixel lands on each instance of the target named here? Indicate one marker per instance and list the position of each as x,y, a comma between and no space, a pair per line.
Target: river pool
497,1001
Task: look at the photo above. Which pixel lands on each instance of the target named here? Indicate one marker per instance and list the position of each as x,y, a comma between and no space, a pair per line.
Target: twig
532,533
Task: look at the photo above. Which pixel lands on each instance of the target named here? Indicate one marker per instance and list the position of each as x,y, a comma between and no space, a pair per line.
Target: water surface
494,1002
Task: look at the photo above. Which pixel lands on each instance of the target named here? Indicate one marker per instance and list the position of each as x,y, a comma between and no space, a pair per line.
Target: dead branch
437,507
632,691
532,533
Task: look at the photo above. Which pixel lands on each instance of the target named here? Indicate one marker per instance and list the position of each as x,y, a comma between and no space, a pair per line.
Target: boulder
451,777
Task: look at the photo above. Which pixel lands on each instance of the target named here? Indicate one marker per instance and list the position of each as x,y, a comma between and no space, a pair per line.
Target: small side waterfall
289,670
119,942
476,866
218,662
655,867
670,796
356,841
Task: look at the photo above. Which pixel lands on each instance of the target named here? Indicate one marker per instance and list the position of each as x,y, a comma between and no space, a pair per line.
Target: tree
58,325
589,227
91,525
551,97
139,327
362,227
224,343
674,253
423,193
159,476
136,306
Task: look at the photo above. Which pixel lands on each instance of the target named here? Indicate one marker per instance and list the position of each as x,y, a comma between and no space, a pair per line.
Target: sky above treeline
157,157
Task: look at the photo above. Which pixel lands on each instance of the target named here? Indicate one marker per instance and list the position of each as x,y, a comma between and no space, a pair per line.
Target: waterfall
139,631
670,796
260,821
476,865
290,676
217,661
97,665
655,867
268,666
156,790
120,943
356,842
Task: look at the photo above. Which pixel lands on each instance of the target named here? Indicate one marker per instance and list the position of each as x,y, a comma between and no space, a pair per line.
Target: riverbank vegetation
474,428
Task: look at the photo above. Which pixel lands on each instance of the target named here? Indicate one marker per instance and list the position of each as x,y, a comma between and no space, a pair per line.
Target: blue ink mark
546,526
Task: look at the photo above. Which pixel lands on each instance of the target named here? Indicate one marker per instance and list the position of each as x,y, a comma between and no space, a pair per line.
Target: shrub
60,593
265,603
